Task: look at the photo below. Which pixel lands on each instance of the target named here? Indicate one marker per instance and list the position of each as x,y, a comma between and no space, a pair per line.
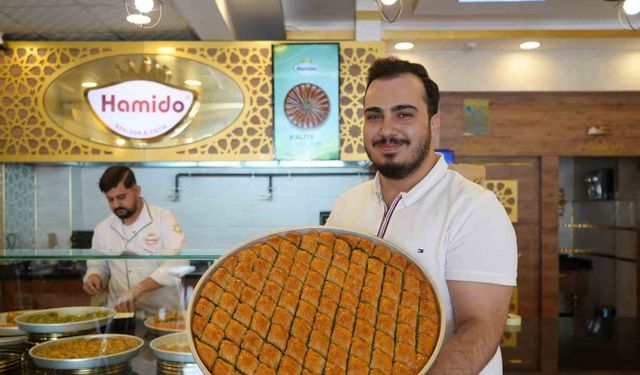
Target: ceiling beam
209,19
505,34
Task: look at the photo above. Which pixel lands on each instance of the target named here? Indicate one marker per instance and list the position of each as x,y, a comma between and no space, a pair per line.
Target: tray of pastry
90,351
8,325
166,322
65,319
315,299
172,347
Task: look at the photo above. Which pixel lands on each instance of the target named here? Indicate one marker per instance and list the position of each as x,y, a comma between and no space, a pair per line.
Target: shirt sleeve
171,270
99,267
482,245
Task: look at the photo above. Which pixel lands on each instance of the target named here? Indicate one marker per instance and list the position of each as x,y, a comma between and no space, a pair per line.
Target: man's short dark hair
391,67
114,175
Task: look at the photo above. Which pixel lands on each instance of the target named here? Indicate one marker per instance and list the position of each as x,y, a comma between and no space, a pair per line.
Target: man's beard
395,170
124,213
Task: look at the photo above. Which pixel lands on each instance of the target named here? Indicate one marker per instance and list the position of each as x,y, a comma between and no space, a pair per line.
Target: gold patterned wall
28,68
507,193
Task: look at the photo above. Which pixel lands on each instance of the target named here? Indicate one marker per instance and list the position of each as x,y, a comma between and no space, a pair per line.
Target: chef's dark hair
392,67
114,175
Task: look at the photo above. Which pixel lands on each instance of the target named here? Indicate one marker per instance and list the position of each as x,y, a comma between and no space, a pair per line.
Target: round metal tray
10,362
12,340
12,330
66,327
85,363
171,339
302,230
159,330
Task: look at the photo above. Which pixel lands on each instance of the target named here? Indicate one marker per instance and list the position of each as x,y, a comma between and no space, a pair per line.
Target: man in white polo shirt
457,230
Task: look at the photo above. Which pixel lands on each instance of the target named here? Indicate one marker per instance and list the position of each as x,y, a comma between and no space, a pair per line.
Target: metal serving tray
305,229
12,330
172,339
159,330
82,363
66,327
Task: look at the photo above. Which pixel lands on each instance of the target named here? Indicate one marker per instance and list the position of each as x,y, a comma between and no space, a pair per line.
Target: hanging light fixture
390,9
628,13
145,14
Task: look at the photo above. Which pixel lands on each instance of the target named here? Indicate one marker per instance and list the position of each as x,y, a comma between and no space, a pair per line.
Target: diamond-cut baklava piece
315,303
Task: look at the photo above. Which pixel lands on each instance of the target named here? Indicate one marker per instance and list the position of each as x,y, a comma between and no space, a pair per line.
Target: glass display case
44,279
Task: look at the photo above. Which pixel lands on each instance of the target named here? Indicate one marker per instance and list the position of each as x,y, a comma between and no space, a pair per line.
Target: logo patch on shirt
177,229
420,251
152,239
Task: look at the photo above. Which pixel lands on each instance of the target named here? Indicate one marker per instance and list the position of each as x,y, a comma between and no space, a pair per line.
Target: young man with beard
457,230
137,228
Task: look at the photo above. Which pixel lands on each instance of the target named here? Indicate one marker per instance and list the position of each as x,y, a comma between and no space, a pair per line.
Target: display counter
39,279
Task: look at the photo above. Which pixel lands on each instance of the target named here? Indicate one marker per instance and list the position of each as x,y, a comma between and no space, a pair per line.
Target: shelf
87,254
596,226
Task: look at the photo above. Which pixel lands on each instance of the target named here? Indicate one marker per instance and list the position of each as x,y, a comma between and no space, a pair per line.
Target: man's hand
93,285
126,302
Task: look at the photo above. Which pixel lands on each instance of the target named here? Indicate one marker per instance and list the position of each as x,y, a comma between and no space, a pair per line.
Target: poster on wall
306,82
476,117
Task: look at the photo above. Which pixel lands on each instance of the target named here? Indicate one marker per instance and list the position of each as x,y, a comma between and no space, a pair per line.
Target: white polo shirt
454,228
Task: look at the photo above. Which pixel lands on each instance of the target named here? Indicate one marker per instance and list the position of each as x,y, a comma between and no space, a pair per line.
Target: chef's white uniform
155,232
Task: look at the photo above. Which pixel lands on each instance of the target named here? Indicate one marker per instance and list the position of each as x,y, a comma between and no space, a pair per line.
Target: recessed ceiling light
88,84
403,45
166,50
193,82
388,2
138,19
120,142
530,45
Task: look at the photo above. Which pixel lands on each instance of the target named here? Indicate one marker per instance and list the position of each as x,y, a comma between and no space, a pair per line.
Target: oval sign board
140,109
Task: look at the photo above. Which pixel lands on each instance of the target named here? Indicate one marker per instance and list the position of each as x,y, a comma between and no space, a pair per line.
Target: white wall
218,212
537,70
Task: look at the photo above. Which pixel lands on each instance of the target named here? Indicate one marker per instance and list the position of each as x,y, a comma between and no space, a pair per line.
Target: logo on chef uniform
151,239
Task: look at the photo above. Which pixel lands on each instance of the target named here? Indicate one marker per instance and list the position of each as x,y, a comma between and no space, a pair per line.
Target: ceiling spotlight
193,82
144,6
530,45
403,45
626,9
631,7
390,9
120,142
146,14
88,85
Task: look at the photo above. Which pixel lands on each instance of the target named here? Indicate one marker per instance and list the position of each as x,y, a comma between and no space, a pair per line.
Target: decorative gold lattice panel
28,134
355,59
507,193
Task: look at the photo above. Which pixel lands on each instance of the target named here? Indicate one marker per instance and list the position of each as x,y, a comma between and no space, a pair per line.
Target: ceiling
435,24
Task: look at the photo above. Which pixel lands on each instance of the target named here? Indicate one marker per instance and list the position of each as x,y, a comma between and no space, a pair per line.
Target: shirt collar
413,195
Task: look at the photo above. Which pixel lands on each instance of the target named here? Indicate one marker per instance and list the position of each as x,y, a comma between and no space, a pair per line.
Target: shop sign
140,109
306,84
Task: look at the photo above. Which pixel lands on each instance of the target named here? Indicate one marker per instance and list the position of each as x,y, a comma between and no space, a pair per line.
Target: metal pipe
271,175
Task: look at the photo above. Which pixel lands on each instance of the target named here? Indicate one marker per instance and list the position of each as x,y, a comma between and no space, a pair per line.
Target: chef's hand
93,285
126,302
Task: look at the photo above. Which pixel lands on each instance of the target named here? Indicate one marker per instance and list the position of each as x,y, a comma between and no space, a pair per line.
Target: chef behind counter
136,227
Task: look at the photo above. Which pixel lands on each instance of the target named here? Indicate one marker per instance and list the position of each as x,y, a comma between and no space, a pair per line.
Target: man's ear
435,125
